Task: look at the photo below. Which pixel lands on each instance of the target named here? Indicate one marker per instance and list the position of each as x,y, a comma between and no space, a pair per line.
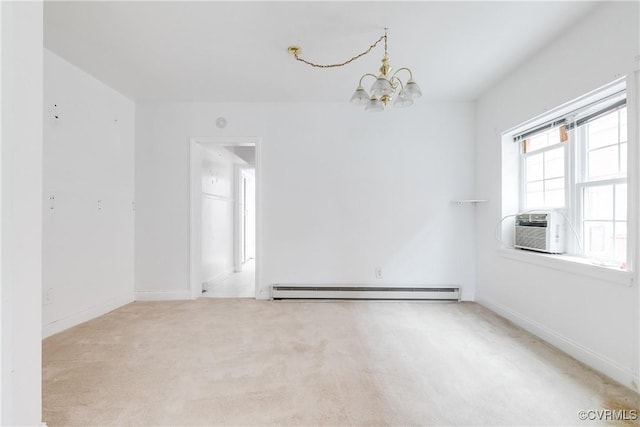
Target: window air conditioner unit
541,231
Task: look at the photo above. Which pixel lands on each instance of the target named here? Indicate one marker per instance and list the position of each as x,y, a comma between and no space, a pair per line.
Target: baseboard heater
282,292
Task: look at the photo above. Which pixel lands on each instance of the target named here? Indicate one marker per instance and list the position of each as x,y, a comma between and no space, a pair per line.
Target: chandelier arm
365,75
296,52
400,69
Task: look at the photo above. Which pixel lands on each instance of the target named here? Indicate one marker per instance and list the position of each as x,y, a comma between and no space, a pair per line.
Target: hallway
236,285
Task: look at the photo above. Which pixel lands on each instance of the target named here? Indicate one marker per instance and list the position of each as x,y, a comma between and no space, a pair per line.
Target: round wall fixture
221,122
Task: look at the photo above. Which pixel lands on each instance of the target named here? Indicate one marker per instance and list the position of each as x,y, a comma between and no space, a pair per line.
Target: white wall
217,214
88,214
592,319
342,192
21,214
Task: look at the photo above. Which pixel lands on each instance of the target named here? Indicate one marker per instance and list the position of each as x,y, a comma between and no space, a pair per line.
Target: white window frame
572,263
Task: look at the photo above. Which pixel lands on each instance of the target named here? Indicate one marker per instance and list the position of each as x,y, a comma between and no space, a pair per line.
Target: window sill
570,264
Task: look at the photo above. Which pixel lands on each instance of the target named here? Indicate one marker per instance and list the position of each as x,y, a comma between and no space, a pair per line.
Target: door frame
195,207
239,238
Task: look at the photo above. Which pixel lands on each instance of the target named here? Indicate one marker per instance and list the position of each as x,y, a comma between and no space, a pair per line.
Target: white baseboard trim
600,363
162,296
84,315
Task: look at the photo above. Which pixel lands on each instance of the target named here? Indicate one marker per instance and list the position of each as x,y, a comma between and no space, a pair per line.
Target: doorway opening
224,184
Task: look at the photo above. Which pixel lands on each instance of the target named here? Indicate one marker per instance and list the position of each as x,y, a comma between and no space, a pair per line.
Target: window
602,185
544,170
577,162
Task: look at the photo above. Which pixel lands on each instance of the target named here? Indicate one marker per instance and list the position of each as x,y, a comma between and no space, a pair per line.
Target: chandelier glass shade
387,85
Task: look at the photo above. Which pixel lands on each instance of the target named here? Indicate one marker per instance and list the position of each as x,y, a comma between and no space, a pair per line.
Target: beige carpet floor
247,362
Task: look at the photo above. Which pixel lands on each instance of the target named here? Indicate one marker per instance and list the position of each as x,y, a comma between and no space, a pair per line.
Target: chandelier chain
384,37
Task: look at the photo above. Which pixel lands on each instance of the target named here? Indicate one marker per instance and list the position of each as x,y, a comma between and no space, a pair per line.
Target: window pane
553,136
602,162
598,202
621,202
554,184
554,163
554,193
606,240
603,131
535,195
598,239
534,167
623,124
543,139
537,142
623,158
554,198
535,187
620,245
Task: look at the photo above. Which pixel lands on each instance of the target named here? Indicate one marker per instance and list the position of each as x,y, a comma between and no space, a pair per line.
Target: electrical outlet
378,273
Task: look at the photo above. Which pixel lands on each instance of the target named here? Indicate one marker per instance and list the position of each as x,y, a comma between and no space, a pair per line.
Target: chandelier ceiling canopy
387,85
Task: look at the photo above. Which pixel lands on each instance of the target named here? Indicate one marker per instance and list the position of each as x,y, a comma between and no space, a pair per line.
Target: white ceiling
237,51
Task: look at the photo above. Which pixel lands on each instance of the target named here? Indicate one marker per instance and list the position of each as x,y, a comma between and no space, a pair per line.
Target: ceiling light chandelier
386,83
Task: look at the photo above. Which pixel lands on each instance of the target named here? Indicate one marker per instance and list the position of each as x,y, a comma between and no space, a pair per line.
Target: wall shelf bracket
469,201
